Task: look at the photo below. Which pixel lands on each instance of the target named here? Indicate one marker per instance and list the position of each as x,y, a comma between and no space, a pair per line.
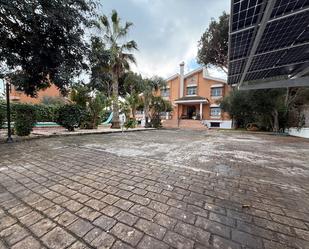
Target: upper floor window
191,90
216,91
165,92
215,111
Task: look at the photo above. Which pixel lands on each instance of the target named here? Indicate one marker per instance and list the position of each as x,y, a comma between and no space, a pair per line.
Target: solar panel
242,42
245,13
287,6
268,38
283,32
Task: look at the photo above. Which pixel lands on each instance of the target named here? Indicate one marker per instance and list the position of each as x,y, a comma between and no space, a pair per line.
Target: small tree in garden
133,85
150,86
157,106
70,116
92,102
96,108
25,119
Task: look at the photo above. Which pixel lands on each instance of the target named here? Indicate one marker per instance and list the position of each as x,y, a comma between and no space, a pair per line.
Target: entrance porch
190,107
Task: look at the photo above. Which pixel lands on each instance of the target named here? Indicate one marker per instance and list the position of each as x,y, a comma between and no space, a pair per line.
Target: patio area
155,189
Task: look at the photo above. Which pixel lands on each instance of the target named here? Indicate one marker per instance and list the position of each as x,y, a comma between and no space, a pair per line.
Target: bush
46,113
2,113
70,116
25,119
156,122
130,123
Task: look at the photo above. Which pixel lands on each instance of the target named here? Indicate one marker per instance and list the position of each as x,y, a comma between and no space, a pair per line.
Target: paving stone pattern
77,197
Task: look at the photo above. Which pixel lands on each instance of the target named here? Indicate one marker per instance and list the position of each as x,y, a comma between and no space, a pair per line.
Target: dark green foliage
93,112
130,123
2,113
44,40
213,45
99,58
70,116
156,122
80,94
46,113
25,119
270,109
157,106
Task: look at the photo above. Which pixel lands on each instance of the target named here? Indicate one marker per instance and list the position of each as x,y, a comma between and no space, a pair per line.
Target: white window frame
215,89
214,113
191,87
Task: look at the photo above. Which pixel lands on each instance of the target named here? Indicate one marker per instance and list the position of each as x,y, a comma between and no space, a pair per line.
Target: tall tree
213,45
99,59
120,54
42,41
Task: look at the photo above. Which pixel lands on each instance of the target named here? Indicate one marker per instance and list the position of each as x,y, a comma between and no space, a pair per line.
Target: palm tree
120,56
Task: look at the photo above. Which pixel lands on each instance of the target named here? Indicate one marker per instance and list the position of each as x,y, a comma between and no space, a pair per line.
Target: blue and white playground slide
109,120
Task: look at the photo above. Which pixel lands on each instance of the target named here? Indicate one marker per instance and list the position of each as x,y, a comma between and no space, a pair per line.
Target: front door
191,111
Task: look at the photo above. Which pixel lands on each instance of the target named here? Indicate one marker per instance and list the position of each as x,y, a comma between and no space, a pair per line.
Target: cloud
167,31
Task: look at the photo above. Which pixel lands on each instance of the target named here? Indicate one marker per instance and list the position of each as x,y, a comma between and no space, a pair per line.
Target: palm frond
104,21
129,46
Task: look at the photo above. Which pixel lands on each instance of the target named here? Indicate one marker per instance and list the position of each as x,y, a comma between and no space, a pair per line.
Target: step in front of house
170,123
191,124
184,124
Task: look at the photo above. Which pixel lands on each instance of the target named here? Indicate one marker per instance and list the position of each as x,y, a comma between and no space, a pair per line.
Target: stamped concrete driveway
155,189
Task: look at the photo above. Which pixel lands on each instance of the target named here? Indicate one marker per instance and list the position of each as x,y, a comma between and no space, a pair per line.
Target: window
215,111
191,90
165,92
216,91
214,125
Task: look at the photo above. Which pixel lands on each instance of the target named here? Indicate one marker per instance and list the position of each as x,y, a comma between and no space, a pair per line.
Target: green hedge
25,119
44,113
70,116
2,113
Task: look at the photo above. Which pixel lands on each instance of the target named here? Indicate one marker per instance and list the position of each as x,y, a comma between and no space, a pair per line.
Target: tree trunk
115,122
146,115
133,112
276,121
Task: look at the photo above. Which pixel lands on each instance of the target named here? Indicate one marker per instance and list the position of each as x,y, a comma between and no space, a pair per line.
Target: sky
167,31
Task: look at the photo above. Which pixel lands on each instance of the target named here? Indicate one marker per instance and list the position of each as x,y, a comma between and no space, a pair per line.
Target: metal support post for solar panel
298,82
230,34
269,7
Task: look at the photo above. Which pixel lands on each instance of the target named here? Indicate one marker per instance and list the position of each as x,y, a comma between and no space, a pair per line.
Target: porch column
201,111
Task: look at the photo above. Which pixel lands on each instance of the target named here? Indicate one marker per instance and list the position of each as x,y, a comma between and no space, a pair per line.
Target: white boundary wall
303,132
224,124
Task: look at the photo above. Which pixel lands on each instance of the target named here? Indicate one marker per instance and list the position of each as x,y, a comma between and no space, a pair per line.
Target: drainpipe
182,73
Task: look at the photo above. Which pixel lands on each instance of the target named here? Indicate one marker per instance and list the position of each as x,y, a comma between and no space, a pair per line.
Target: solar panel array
283,48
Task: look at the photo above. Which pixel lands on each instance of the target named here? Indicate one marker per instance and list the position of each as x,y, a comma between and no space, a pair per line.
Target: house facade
196,96
19,96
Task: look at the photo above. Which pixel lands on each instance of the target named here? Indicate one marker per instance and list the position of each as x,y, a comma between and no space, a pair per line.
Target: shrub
130,123
156,122
2,113
69,116
25,119
46,113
